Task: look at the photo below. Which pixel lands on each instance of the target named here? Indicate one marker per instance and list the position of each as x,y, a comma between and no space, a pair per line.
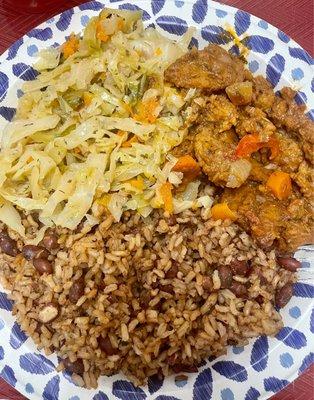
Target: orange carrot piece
188,166
70,46
279,183
248,145
146,111
251,143
166,195
138,183
158,51
100,33
222,211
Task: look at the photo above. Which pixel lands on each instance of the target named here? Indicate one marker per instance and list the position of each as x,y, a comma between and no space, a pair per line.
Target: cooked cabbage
93,130
10,216
48,59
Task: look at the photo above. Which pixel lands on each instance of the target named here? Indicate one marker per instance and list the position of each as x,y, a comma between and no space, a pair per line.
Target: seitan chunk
212,68
284,224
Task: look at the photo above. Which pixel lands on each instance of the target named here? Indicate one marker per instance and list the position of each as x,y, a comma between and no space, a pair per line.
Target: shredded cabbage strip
92,122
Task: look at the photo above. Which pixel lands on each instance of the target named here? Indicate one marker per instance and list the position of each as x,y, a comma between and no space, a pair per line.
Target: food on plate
212,69
147,297
256,146
285,224
151,199
95,130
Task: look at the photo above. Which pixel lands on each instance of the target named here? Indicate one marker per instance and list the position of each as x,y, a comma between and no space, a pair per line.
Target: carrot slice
188,166
158,51
248,145
147,111
100,33
166,195
70,46
279,183
138,183
222,211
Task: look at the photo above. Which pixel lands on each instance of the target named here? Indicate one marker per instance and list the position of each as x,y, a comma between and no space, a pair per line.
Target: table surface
295,17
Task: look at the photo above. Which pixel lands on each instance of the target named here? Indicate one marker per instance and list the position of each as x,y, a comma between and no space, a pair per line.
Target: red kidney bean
239,267
259,299
106,346
167,288
50,241
77,290
225,275
207,283
164,346
30,252
238,289
172,220
283,295
8,245
77,366
172,272
43,266
289,263
112,298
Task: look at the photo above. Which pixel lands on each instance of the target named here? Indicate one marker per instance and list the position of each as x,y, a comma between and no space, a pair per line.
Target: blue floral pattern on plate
273,54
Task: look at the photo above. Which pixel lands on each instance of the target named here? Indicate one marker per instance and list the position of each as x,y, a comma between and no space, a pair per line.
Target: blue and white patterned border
267,364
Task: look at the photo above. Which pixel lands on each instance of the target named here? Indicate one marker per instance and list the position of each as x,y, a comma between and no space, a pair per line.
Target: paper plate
266,365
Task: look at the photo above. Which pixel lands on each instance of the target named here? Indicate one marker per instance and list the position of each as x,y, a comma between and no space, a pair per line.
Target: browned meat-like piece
285,113
254,120
290,154
215,154
283,140
284,224
216,141
306,134
304,178
288,159
219,112
263,93
289,115
186,147
212,68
